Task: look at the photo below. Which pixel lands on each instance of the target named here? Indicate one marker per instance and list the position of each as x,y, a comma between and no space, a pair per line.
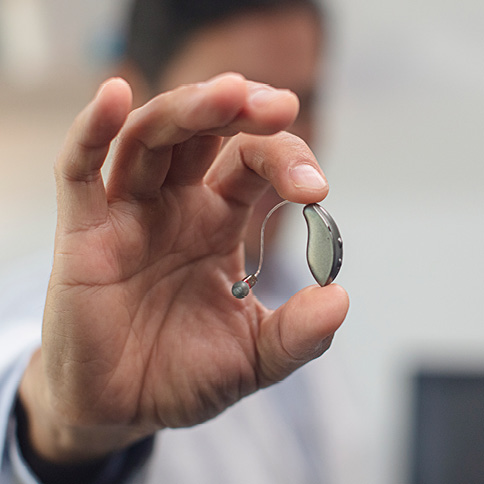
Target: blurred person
140,333
279,43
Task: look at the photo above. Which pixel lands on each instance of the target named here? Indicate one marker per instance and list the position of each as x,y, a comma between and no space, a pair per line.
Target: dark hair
157,29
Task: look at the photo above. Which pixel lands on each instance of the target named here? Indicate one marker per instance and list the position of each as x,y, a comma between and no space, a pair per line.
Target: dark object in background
448,427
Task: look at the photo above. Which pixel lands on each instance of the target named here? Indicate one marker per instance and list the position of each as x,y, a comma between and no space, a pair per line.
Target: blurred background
403,122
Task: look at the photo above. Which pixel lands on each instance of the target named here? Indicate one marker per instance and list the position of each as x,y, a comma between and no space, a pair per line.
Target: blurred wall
403,149
406,169
52,56
404,153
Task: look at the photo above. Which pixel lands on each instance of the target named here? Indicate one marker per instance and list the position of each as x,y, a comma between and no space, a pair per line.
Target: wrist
58,439
116,467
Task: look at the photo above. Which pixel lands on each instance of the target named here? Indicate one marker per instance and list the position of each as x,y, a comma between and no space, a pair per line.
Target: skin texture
141,331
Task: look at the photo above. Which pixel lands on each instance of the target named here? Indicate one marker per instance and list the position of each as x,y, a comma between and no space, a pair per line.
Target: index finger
248,164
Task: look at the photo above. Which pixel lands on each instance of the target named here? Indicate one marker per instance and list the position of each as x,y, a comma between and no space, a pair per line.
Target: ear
139,85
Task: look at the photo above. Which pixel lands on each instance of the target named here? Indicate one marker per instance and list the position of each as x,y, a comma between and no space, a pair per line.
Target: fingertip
229,76
211,104
94,128
301,329
106,114
304,331
230,83
275,109
341,298
327,306
115,93
113,83
230,91
293,170
263,95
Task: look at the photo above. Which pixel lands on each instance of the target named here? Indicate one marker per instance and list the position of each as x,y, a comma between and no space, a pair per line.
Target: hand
141,331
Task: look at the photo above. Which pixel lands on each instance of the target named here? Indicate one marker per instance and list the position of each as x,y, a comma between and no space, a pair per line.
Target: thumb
300,330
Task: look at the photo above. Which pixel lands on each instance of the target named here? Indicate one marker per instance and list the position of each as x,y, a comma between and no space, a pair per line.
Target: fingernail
306,176
262,95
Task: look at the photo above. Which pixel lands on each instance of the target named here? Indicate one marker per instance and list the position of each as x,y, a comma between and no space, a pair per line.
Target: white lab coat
305,430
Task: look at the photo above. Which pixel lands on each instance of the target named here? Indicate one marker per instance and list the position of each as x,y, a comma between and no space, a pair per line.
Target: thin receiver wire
262,232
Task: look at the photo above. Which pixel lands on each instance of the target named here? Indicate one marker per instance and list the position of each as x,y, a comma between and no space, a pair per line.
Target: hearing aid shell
325,246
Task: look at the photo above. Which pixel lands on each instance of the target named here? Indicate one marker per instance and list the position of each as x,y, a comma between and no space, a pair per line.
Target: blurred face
280,48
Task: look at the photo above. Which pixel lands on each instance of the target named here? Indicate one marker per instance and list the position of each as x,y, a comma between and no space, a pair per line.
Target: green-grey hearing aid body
325,245
324,249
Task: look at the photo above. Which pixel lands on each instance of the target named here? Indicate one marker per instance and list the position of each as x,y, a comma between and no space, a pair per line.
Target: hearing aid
324,252
325,246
